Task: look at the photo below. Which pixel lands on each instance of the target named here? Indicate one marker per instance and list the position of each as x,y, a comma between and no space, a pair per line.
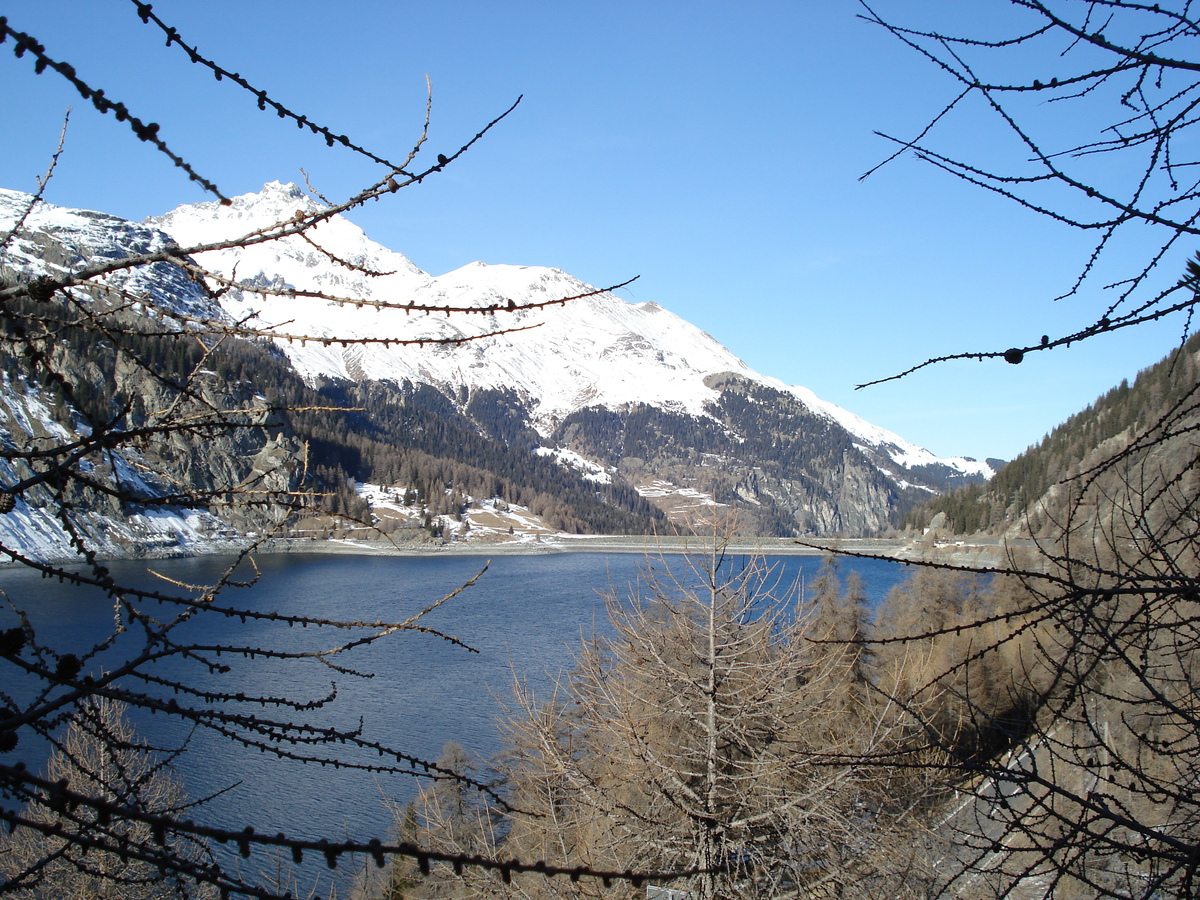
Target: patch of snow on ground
569,459
905,485
659,489
484,520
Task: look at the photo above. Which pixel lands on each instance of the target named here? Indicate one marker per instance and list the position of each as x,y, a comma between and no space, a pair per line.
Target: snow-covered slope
54,240
598,351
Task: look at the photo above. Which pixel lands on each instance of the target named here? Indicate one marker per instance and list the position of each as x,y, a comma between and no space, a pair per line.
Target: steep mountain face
105,378
630,390
788,469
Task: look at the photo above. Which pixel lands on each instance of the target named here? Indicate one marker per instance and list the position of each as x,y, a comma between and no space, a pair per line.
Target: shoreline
556,544
988,553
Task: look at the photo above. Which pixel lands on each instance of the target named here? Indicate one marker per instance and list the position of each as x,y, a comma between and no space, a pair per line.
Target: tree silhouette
1093,791
1122,75
135,403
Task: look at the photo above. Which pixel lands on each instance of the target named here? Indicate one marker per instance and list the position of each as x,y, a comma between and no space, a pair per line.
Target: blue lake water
524,617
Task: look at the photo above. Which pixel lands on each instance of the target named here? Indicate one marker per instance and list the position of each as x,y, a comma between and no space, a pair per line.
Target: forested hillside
404,434
1027,492
481,446
788,469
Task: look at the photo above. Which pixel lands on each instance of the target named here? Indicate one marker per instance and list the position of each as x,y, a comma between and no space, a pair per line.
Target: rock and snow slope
56,242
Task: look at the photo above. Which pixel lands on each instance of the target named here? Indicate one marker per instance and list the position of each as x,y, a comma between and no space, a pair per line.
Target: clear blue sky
713,149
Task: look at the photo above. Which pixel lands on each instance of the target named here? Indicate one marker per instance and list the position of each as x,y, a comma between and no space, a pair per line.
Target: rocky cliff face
786,468
117,356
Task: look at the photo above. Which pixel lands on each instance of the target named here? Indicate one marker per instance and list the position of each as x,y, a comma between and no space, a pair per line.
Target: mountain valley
493,402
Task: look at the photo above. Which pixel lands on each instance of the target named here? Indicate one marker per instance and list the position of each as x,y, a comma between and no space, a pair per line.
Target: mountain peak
374,270
290,190
276,202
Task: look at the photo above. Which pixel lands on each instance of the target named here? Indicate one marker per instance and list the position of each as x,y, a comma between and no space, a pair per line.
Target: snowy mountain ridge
55,240
597,351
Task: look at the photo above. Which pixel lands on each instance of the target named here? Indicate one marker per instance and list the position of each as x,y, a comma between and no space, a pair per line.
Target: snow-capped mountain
592,415
598,351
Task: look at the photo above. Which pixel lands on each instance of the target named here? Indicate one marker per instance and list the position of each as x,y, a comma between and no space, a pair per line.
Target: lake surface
524,617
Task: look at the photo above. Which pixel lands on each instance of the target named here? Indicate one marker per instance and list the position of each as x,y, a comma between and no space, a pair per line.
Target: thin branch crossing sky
712,149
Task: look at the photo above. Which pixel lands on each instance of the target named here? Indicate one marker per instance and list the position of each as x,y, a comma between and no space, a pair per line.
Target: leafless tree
122,455
1095,792
711,731
75,851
